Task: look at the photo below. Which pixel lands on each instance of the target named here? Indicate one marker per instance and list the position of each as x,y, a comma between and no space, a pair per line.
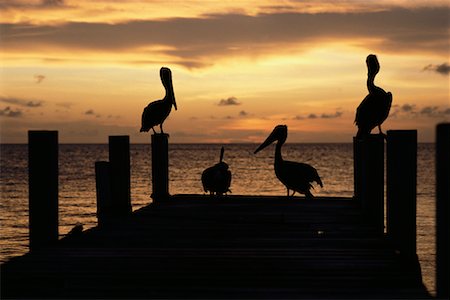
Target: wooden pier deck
194,246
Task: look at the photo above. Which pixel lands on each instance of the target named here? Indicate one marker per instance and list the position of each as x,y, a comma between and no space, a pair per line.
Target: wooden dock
234,247
195,246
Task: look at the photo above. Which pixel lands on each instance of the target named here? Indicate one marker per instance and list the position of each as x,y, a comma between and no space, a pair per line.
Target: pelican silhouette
374,109
217,179
295,176
156,112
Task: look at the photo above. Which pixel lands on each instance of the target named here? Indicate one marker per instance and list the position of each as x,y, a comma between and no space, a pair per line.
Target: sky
88,68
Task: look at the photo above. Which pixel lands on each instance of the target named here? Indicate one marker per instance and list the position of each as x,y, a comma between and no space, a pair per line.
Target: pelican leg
293,194
288,192
381,132
154,130
160,126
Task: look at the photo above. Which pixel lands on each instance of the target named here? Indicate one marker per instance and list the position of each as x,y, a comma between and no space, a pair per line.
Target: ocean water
252,175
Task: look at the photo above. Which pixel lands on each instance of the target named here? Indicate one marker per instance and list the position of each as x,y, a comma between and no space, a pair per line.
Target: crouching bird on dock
295,176
217,179
156,112
374,109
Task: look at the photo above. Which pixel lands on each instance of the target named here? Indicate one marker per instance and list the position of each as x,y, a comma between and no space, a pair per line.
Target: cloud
8,112
91,112
22,102
337,114
443,69
197,42
331,116
243,113
229,102
408,107
39,78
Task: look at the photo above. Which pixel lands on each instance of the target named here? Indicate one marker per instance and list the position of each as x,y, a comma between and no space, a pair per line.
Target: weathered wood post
103,188
369,184
43,188
160,166
442,210
401,187
119,167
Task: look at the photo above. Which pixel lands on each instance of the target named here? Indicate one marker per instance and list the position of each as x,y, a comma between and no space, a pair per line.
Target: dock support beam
442,210
160,166
43,188
103,187
401,189
369,178
119,166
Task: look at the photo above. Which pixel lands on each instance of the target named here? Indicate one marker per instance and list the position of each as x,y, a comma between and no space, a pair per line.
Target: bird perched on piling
374,109
156,112
217,179
295,176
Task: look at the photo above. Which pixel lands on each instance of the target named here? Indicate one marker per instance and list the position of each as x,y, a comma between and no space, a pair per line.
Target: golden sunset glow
88,68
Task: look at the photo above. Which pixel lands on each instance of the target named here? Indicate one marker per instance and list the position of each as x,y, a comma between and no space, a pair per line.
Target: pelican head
373,67
166,78
279,134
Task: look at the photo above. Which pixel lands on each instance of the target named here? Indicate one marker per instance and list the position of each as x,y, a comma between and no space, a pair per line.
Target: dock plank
194,246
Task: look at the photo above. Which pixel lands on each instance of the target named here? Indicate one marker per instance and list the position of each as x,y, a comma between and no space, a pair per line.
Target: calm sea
252,175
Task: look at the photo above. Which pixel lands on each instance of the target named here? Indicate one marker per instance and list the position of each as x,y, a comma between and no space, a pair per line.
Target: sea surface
252,175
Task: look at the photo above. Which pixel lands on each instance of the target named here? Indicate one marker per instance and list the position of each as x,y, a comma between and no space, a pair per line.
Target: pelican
217,179
295,176
374,109
156,112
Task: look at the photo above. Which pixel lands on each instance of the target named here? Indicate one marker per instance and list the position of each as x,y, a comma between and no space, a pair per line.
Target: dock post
103,188
369,184
119,164
401,189
357,161
442,210
43,188
160,166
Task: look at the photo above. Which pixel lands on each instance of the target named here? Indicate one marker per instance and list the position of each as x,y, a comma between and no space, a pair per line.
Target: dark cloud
331,116
8,112
407,107
195,42
243,113
39,78
91,112
52,2
443,69
22,102
229,102
337,114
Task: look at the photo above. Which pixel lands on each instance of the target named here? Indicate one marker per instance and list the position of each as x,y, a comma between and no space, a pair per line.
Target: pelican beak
174,102
270,139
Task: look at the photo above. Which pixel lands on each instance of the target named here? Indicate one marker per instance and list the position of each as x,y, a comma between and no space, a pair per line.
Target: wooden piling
369,184
103,188
119,164
401,187
160,166
43,188
442,210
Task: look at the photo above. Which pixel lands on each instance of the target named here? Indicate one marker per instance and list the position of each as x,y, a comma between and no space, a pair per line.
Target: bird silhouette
295,176
217,179
156,112
374,109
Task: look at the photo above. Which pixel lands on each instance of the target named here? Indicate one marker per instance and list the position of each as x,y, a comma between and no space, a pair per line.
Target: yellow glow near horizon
88,85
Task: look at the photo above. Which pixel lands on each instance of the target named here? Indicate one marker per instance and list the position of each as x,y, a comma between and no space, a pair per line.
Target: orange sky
88,68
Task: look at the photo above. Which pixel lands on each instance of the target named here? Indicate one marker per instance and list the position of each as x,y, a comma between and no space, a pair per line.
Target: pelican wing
373,110
298,176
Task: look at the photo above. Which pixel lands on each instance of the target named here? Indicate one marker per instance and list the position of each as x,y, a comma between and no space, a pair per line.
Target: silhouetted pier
198,246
